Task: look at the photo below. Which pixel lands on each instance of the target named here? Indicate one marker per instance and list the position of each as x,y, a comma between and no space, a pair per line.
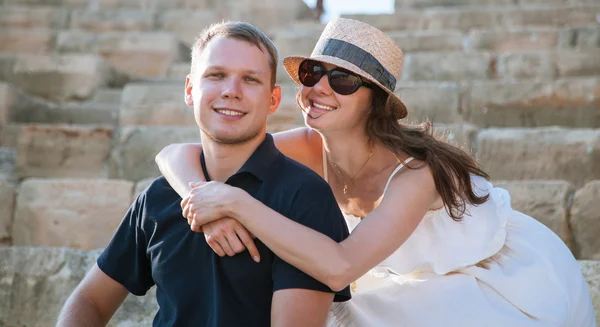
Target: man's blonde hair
240,31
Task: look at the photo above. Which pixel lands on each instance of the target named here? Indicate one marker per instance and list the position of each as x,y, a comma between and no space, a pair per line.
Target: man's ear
189,101
275,99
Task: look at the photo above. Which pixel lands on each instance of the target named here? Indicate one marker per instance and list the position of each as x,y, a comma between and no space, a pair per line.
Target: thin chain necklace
339,172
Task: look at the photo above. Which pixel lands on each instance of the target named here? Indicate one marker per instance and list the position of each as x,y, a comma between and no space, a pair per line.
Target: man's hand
228,236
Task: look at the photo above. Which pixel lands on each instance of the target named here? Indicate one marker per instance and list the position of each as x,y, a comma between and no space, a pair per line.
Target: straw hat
362,49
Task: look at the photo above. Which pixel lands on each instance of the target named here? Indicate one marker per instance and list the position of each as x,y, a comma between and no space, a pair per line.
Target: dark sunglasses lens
344,82
309,73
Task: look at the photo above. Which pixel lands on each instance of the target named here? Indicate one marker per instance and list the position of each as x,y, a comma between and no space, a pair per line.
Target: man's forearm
79,311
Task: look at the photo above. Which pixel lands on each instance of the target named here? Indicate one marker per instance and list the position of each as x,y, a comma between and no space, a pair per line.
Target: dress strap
324,164
395,171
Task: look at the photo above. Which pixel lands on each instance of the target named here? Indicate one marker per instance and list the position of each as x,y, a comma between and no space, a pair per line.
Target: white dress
497,267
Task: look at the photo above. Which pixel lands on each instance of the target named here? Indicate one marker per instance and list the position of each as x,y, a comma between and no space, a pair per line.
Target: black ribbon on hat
360,58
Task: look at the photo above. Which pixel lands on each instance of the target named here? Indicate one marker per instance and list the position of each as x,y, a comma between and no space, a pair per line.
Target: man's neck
224,160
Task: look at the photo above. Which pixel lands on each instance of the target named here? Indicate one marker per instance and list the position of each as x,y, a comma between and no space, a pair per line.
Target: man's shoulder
158,191
291,171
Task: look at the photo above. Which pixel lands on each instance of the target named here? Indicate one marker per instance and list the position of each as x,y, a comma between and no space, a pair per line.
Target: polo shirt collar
259,162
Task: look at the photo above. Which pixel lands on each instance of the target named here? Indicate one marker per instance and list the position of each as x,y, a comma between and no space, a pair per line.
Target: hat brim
292,63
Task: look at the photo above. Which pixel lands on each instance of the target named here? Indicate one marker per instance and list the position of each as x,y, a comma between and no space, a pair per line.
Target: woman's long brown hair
451,166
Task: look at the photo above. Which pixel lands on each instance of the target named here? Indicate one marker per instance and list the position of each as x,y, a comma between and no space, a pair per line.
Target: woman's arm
335,264
180,162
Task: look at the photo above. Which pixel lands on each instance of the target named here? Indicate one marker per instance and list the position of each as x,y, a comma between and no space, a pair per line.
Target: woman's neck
349,150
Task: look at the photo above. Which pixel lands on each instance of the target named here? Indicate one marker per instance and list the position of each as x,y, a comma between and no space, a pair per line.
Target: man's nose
232,88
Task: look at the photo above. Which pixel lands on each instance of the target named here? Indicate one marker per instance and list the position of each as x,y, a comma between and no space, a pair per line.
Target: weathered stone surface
77,213
8,159
446,66
60,77
62,151
288,112
75,41
522,38
466,18
55,3
573,102
155,104
37,281
7,206
187,25
444,107
156,5
134,150
550,153
26,40
591,273
559,15
399,21
9,136
8,97
33,17
460,135
549,64
580,37
546,201
122,20
268,15
296,42
447,3
138,54
413,41
585,221
179,71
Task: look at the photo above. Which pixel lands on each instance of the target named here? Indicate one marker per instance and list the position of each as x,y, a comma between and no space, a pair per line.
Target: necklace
339,172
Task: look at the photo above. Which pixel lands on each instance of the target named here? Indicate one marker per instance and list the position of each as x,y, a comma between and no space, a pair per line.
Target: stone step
117,4
27,40
403,4
38,281
540,153
134,54
19,107
57,77
187,25
512,65
43,17
467,18
122,20
301,41
57,150
49,210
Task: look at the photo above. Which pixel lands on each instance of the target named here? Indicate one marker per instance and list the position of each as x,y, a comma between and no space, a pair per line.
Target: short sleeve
125,259
313,206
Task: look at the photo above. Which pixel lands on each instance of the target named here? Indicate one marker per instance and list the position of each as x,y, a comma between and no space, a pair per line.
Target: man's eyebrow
247,71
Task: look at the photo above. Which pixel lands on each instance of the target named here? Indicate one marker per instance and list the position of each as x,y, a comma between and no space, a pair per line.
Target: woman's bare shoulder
301,144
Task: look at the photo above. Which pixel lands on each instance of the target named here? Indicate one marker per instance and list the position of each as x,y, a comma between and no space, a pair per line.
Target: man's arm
93,302
300,307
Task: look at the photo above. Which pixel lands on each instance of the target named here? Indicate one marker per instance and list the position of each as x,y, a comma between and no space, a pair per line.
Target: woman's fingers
248,242
214,245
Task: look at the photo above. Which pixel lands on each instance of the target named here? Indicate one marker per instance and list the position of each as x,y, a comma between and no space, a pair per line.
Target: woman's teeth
320,106
229,112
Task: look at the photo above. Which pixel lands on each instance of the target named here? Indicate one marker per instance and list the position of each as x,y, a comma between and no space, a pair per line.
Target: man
232,89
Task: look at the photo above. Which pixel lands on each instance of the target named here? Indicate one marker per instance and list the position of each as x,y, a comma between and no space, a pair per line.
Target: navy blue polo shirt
195,287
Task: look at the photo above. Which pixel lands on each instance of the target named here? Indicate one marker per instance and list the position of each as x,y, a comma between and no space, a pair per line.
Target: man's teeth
229,112
320,106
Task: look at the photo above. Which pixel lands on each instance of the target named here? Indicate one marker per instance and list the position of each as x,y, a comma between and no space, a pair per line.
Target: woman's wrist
241,204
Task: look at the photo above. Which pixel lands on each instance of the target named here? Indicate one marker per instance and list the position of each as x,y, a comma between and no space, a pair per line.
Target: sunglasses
341,81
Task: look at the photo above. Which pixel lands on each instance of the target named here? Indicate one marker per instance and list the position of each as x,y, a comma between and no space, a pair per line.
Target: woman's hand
209,208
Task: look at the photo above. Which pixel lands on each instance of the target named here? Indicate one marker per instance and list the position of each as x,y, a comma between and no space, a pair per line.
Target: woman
433,243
